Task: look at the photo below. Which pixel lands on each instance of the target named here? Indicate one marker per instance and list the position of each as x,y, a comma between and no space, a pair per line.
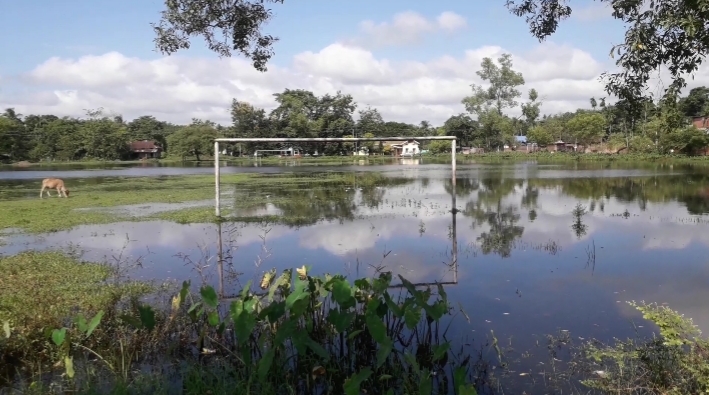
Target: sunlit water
526,265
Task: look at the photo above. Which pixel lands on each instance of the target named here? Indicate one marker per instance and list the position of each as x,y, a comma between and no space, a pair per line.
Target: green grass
90,202
39,290
37,215
549,157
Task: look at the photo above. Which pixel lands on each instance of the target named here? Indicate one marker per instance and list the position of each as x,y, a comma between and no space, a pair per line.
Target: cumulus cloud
406,28
179,88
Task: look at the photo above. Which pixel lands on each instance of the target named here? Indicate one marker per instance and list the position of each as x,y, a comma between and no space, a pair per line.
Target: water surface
533,250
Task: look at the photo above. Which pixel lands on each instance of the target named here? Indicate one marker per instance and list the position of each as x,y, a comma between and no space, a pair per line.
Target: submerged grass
35,215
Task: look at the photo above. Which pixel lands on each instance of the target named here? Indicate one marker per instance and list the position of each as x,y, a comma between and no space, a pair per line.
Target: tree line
660,127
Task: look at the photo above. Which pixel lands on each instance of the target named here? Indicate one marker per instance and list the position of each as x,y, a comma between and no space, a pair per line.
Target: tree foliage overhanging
659,127
659,33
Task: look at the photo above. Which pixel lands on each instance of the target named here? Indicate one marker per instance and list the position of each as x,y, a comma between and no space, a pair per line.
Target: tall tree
488,104
502,90
531,109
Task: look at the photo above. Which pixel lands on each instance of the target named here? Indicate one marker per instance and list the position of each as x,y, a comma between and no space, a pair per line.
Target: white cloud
451,21
179,88
406,28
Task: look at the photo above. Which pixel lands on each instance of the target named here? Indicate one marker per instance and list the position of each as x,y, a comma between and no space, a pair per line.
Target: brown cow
54,183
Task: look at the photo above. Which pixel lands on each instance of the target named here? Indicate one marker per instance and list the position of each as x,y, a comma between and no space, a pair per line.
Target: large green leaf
94,323
342,293
376,328
264,365
352,385
58,336
147,317
209,296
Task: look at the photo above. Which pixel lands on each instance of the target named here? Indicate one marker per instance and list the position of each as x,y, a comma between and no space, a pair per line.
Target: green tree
248,121
103,138
587,128
696,102
146,127
540,135
463,127
57,140
531,109
195,140
487,104
502,92
686,140
370,121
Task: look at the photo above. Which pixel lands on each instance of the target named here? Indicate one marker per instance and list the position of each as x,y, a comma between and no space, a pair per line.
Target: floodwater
534,249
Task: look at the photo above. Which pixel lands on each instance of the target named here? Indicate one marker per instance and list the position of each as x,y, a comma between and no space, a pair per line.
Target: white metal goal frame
217,175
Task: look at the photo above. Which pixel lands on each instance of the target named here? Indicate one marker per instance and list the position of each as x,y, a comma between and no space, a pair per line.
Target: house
362,151
408,148
144,149
470,150
701,123
561,147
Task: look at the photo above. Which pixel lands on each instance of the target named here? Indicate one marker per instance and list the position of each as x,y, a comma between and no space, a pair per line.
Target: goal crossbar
217,175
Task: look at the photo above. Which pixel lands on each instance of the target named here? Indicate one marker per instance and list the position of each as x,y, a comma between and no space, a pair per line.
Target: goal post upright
217,193
217,208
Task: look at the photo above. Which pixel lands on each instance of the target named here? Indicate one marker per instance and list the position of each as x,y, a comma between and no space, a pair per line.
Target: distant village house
145,149
408,148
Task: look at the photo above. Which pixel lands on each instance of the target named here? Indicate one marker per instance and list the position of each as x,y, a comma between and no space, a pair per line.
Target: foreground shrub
292,333
675,362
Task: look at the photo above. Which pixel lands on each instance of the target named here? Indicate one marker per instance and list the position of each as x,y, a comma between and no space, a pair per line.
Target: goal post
217,205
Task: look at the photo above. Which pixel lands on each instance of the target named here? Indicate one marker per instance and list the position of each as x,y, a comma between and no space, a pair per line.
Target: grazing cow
54,183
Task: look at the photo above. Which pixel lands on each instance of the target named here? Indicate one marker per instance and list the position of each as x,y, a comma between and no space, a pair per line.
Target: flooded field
526,250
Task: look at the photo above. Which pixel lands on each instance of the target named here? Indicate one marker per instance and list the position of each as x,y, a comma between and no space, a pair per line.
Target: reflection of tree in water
308,201
578,226
532,215
463,186
686,188
497,188
530,197
503,232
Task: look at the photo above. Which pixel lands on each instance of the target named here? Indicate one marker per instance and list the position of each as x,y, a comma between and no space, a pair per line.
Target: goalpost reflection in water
453,264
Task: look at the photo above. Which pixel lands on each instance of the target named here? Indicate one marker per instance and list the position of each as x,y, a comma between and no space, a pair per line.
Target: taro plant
305,333
63,340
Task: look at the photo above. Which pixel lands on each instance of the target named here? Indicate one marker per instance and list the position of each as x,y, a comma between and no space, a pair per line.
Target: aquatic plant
293,333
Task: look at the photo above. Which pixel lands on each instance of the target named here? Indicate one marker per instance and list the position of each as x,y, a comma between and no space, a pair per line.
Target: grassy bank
549,157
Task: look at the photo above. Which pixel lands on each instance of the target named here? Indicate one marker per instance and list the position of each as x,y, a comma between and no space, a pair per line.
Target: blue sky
37,30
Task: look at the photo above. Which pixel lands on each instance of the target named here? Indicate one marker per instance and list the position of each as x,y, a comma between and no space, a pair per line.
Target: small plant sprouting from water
591,256
578,226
